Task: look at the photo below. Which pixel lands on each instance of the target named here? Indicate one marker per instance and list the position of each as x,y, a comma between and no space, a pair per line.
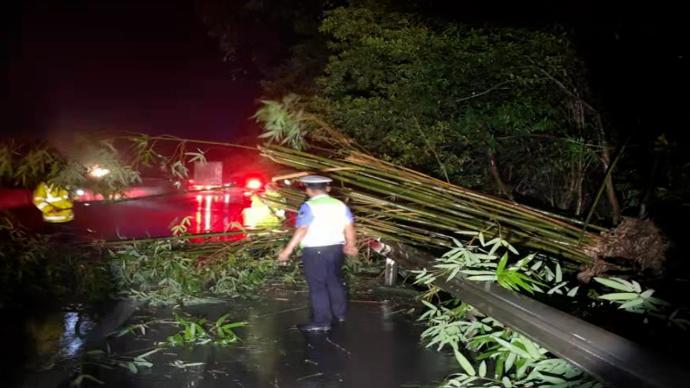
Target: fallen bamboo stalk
410,207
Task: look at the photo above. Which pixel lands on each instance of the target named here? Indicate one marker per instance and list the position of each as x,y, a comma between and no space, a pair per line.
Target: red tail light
254,184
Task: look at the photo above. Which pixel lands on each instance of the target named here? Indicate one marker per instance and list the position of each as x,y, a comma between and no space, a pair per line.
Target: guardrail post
391,273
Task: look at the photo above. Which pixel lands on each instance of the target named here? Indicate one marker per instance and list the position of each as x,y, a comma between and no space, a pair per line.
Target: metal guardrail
612,359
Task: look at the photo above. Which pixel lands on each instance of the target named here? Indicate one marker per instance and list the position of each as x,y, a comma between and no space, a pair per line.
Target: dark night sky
150,66
120,65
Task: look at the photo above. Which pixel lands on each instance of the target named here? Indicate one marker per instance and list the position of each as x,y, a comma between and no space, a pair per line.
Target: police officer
325,231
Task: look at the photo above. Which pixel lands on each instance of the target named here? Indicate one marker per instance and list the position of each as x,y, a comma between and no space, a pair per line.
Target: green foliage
631,297
193,331
501,356
485,263
165,271
470,91
108,359
150,151
198,331
283,122
450,100
36,267
182,227
27,164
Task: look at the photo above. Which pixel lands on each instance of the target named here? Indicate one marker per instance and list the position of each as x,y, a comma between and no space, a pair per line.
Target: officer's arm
304,219
350,247
295,240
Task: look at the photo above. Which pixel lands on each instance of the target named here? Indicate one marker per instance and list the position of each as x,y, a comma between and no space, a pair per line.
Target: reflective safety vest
325,219
53,201
264,213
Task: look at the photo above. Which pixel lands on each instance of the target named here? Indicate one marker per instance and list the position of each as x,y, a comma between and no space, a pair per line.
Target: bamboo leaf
464,363
636,287
619,296
511,248
556,289
482,278
494,241
573,291
512,348
510,360
502,263
559,273
615,283
144,355
531,348
631,304
476,272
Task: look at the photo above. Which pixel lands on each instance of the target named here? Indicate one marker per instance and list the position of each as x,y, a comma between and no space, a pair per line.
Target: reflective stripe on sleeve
42,205
58,218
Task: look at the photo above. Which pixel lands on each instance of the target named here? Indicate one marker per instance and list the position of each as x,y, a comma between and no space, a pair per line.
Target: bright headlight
98,172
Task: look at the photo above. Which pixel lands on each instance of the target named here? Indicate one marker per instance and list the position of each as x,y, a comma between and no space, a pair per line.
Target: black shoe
314,327
339,320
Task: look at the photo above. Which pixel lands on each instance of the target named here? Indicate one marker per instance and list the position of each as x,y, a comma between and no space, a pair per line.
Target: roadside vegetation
502,357
437,134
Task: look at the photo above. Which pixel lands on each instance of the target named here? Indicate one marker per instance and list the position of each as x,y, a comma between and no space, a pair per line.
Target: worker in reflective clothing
54,202
325,231
264,211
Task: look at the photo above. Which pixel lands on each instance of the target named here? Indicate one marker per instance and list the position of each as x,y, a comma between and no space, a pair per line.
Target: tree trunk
606,161
610,189
580,197
493,168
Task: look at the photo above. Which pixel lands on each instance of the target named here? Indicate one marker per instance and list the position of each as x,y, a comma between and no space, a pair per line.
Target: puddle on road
378,346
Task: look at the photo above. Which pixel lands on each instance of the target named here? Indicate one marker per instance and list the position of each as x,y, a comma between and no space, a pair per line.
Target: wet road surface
208,212
377,347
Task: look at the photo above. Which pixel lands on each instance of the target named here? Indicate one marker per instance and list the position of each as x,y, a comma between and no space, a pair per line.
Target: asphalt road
208,212
378,346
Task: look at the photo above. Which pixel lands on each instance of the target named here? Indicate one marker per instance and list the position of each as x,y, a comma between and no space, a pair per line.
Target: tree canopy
501,109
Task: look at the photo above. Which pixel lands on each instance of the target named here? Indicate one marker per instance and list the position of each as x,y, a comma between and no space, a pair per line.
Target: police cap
315,180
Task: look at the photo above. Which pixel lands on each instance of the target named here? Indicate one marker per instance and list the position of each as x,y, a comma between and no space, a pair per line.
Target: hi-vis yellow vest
262,213
53,201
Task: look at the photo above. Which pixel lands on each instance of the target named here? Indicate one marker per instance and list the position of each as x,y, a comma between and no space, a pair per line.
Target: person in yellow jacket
54,202
264,212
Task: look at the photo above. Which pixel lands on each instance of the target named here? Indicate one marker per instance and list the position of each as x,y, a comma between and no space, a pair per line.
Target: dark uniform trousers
323,271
